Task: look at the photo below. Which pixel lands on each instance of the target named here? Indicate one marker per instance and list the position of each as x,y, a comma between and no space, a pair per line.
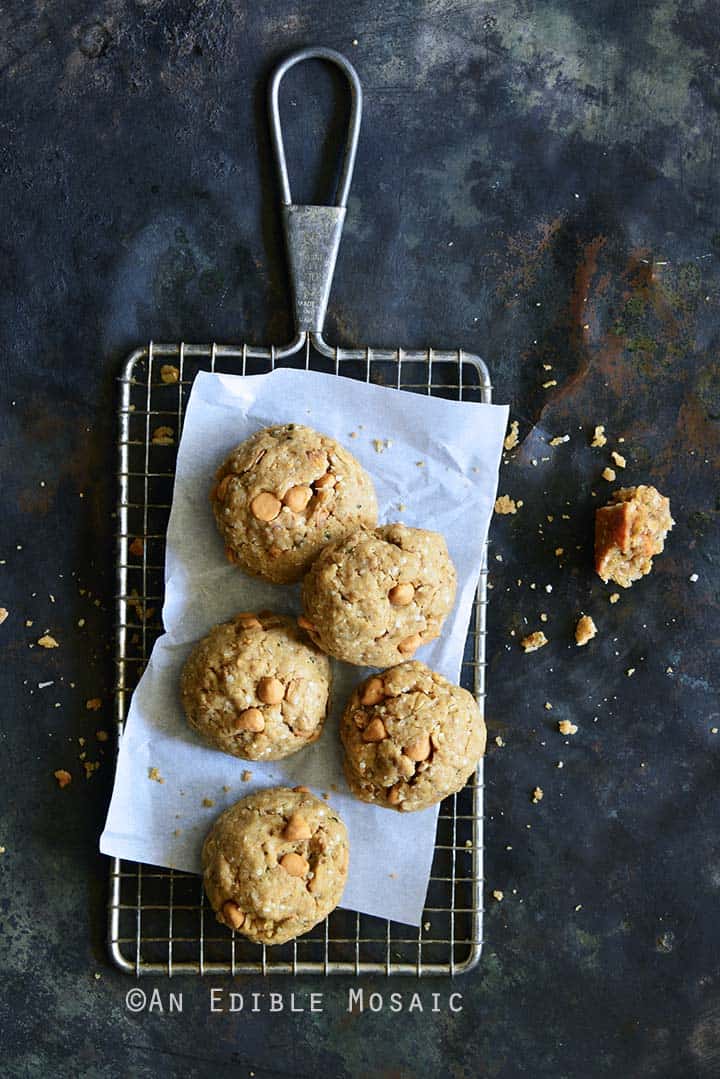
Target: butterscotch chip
291,491
281,885
533,641
349,591
372,692
585,630
297,828
629,532
401,594
63,777
233,687
432,738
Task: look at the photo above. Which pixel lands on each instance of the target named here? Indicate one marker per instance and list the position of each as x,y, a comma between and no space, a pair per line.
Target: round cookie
255,687
275,864
283,494
411,738
376,596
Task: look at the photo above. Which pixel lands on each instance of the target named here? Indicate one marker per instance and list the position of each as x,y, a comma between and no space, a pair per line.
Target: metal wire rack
159,920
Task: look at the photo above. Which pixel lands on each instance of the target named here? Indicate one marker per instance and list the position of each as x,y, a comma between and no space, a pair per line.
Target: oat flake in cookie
275,864
411,738
629,532
283,494
378,595
256,687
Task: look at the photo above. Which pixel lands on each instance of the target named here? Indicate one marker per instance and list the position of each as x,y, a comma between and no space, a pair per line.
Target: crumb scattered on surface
3,614
47,641
608,474
566,727
169,373
550,382
614,597
63,777
537,795
93,704
548,706
137,547
559,551
598,438
154,773
498,895
512,438
163,436
585,630
693,578
504,504
90,767
559,439
498,740
246,776
630,672
533,641
543,617
102,736
208,802
618,459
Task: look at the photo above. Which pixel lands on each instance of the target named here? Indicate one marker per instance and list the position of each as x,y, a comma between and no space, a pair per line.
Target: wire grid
159,919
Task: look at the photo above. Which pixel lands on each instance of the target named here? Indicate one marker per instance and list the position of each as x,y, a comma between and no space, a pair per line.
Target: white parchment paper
440,464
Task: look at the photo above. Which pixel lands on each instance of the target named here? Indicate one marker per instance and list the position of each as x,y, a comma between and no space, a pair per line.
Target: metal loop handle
348,164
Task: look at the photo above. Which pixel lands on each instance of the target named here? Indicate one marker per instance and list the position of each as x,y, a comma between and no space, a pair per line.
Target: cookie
376,596
629,531
275,864
411,738
283,494
256,687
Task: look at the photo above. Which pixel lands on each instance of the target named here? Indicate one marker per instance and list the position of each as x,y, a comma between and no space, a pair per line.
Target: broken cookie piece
533,641
585,630
629,532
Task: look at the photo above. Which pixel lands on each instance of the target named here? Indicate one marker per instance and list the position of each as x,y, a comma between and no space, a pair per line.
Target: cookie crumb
614,597
499,741
566,727
225,788
163,436
543,617
246,776
558,440
713,730
512,437
169,373
498,895
378,445
63,777
102,736
93,704
208,802
90,767
618,459
3,614
154,774
504,504
537,795
608,474
47,641
548,706
137,547
630,672
533,641
585,630
549,383
598,439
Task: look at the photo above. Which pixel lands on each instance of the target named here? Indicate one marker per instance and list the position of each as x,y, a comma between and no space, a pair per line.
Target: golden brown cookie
411,738
256,687
629,531
275,864
376,596
283,494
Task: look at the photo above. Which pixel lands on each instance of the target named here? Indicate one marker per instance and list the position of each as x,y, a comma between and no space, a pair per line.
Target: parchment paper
440,465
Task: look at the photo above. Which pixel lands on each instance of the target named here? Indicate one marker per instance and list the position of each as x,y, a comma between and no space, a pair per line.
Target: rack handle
312,233
316,53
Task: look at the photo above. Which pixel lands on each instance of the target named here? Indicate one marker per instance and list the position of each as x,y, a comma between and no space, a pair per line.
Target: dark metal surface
536,182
